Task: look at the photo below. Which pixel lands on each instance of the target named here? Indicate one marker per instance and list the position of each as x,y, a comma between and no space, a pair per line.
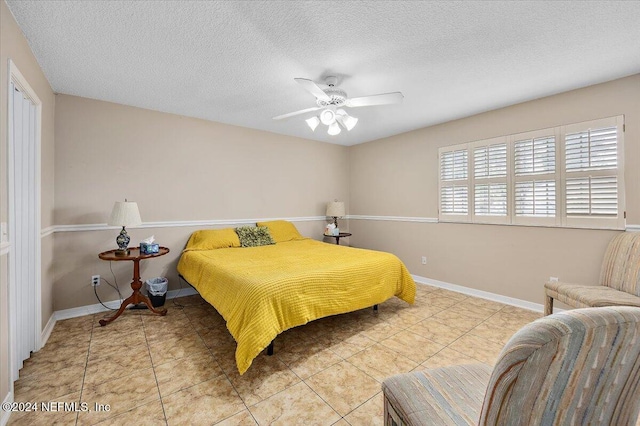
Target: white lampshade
334,129
125,213
313,122
335,209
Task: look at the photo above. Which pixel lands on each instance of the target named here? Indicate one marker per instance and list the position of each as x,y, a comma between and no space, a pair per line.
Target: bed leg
375,308
270,349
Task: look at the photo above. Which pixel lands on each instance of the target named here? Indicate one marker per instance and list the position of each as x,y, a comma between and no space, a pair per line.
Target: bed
262,291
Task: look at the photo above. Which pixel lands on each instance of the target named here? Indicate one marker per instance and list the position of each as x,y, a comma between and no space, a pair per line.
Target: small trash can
157,289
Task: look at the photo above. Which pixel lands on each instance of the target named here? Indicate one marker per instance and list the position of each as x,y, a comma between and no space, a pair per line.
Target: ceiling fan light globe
334,129
327,117
349,122
313,123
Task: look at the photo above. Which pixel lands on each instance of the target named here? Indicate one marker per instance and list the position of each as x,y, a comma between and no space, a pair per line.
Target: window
565,176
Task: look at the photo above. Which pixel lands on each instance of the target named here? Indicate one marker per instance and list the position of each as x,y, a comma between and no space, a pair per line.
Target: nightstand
135,256
337,237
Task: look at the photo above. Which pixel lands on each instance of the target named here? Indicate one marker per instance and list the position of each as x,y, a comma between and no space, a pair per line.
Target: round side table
337,237
136,297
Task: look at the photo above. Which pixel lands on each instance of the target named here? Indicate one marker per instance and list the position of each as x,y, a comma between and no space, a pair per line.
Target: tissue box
146,248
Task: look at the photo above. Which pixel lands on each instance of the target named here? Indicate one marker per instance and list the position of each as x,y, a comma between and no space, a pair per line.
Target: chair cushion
442,396
585,296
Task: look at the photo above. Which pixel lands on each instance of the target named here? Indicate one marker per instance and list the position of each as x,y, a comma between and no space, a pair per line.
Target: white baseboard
4,415
524,304
113,304
46,332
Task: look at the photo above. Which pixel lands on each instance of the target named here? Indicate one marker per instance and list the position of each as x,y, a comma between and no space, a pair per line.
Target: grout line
86,365
360,405
323,400
469,332
153,368
215,358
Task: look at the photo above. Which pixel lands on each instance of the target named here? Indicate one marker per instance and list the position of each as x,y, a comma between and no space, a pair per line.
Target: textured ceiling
234,61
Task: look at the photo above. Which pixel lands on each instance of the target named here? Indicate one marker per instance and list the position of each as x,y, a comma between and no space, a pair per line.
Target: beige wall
176,169
398,176
14,46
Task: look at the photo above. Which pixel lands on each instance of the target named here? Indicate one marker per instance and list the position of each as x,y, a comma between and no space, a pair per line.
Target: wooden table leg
135,298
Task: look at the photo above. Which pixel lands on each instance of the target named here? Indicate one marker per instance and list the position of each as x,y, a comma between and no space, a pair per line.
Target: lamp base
123,243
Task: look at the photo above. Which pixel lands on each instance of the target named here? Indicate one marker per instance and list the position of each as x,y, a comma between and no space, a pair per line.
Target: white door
24,221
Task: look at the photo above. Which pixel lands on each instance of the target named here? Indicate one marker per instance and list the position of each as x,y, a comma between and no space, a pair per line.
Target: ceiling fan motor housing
336,96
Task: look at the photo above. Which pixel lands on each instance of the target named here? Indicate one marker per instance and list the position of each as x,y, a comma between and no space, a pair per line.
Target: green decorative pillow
254,236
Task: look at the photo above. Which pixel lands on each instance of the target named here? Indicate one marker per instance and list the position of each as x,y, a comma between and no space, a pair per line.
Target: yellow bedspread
263,291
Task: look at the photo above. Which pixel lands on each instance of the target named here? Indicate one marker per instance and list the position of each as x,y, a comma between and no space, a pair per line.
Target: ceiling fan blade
291,114
312,88
382,99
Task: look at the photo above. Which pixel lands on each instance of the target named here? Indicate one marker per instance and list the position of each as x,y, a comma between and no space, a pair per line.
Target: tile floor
180,369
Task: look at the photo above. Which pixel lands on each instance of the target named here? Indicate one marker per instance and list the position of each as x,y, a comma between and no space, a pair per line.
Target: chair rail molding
174,224
394,218
4,247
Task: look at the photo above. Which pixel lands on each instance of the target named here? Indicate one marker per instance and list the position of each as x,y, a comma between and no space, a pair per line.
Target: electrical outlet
424,260
553,279
95,280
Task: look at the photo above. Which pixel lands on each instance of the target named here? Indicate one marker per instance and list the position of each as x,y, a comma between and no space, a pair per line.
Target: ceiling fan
332,99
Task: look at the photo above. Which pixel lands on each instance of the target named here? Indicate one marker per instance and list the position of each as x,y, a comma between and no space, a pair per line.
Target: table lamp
124,213
335,209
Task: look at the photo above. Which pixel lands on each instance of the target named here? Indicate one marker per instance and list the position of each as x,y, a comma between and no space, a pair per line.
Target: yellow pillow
210,239
281,230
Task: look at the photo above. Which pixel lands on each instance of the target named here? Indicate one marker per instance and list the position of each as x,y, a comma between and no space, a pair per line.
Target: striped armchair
577,367
619,279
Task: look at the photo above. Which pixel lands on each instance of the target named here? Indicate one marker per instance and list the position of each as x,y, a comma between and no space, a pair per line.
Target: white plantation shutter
454,183
535,155
490,190
594,190
535,198
490,161
490,199
592,196
592,149
535,178
454,200
453,165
